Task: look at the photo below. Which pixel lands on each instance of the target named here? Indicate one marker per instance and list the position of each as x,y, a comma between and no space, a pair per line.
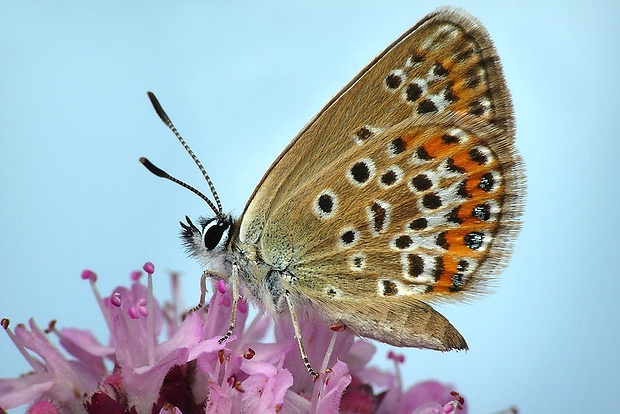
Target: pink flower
141,370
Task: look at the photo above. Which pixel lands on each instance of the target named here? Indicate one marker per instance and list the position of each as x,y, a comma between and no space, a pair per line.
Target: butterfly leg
297,329
206,274
235,295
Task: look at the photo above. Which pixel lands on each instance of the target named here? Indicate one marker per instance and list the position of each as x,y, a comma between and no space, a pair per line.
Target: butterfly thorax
266,277
215,243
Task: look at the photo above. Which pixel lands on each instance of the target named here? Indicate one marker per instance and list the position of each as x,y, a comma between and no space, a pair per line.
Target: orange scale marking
444,281
436,147
409,138
465,94
462,106
459,89
476,192
471,94
471,223
456,239
463,160
465,212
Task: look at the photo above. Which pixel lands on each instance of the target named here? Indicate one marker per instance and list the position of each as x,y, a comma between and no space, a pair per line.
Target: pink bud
242,305
133,313
221,286
89,274
149,268
115,300
396,357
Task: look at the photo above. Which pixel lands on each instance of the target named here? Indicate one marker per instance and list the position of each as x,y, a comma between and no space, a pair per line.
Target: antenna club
217,206
158,108
153,169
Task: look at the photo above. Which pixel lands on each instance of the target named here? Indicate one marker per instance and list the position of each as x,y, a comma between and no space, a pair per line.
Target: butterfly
405,190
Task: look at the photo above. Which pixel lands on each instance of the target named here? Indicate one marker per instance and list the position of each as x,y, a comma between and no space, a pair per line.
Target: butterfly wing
404,189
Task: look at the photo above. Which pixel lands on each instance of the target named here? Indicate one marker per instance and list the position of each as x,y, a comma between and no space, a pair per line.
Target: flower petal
334,385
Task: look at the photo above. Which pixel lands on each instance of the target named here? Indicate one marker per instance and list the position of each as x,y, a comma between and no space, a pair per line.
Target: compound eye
213,233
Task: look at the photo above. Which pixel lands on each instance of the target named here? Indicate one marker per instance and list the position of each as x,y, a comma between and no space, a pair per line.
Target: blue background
240,80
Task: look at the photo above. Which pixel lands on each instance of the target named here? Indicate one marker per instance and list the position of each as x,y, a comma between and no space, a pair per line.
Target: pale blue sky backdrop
239,80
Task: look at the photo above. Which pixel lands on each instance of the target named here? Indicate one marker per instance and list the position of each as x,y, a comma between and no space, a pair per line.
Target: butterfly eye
213,233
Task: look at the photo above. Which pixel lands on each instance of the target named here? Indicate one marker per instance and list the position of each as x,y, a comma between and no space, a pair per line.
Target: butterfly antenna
166,120
163,174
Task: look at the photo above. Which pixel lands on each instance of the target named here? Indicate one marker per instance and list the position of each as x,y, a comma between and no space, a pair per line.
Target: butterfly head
208,238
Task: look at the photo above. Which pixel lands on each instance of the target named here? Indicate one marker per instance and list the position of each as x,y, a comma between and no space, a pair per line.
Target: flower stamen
149,268
35,364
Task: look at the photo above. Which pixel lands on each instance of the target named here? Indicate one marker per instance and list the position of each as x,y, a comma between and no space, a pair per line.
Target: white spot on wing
399,73
383,290
462,136
370,165
318,211
348,237
374,218
429,266
373,131
439,100
398,173
357,262
332,291
422,84
418,241
447,30
486,153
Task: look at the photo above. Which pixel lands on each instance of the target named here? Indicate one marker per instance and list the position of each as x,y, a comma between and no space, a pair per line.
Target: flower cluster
192,372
